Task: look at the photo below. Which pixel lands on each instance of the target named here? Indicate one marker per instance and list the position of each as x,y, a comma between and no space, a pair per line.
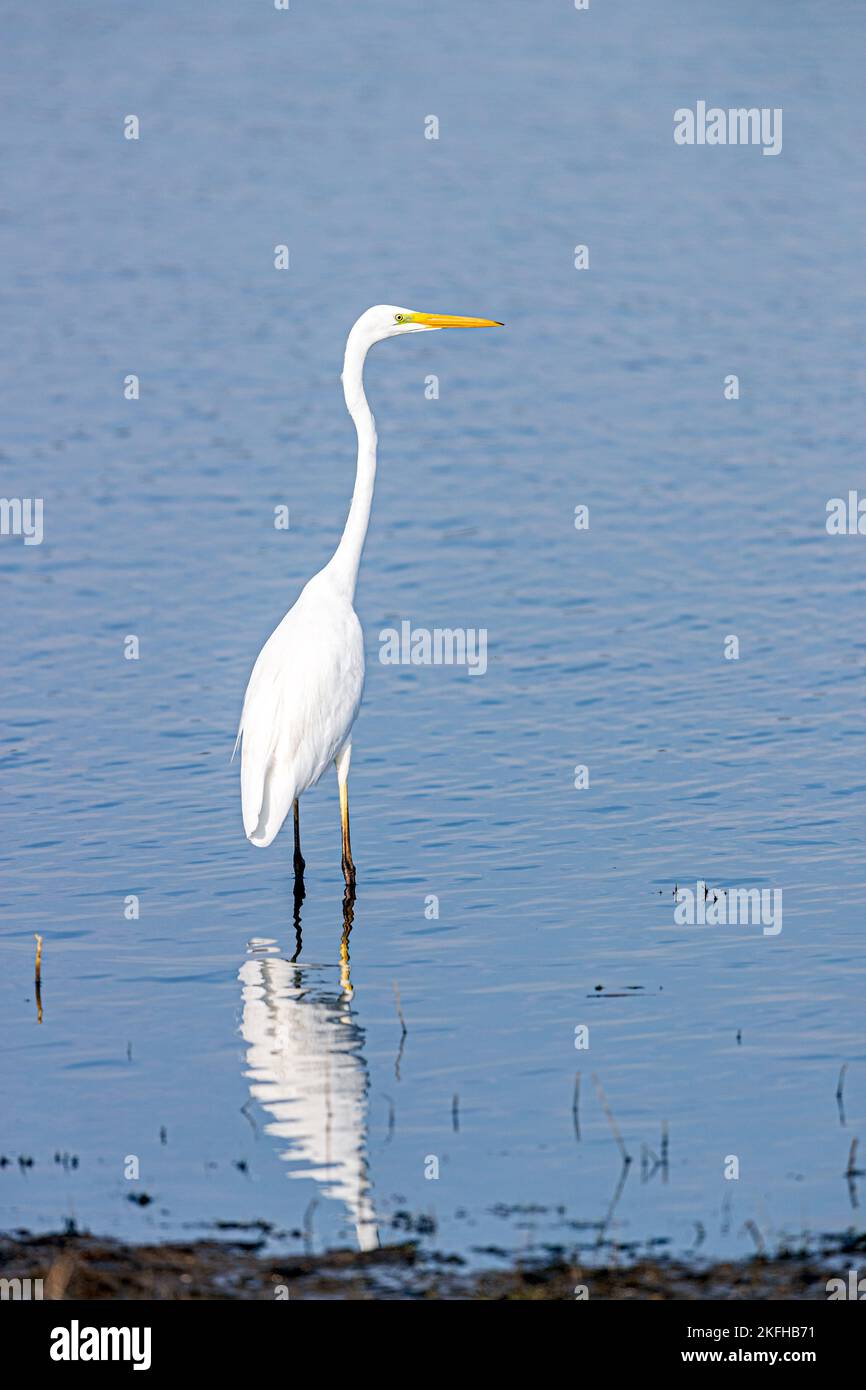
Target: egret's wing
260,725
301,702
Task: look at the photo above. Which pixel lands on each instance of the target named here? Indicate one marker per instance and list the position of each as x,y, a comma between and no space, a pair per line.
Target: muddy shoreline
80,1266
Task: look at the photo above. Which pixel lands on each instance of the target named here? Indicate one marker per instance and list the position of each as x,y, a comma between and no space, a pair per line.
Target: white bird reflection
306,1068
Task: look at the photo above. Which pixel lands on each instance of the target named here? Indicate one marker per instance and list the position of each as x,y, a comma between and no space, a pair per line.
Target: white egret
305,688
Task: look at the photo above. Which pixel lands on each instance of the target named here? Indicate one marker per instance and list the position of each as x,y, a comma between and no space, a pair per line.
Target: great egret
305,688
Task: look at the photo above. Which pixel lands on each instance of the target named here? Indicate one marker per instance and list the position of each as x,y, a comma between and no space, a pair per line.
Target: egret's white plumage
305,688
300,704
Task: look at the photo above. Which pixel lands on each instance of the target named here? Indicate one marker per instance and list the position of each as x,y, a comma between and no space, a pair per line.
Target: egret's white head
389,320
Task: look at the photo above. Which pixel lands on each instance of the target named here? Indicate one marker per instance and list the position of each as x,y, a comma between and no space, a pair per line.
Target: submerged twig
392,1118
756,1237
614,1201
852,1172
626,1156
399,1009
38,977
839,1097
659,1160
575,1106
405,1030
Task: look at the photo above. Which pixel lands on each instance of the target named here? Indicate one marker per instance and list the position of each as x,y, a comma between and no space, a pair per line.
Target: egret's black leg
299,858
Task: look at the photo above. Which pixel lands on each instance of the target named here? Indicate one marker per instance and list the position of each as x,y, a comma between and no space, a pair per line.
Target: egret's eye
398,318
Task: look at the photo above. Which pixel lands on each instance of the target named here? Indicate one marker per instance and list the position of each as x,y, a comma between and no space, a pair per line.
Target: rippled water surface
257,1069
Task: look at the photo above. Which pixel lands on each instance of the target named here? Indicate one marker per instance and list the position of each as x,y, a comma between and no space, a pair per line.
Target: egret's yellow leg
342,764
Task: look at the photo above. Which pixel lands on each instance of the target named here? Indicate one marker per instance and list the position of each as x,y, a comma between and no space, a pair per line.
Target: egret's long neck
347,557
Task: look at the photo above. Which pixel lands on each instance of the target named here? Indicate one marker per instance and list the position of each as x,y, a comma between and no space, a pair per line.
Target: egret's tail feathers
262,823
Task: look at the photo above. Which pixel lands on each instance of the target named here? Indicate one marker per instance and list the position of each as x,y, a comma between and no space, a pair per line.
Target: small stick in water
575,1106
392,1118
38,977
403,1033
626,1156
399,1010
839,1099
756,1237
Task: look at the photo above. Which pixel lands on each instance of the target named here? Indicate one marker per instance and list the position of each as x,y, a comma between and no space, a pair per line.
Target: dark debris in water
76,1266
602,992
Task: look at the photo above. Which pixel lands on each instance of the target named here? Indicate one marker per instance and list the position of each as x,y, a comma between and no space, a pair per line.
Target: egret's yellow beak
453,321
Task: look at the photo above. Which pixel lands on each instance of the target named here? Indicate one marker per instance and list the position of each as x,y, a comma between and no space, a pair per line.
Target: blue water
247,1086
